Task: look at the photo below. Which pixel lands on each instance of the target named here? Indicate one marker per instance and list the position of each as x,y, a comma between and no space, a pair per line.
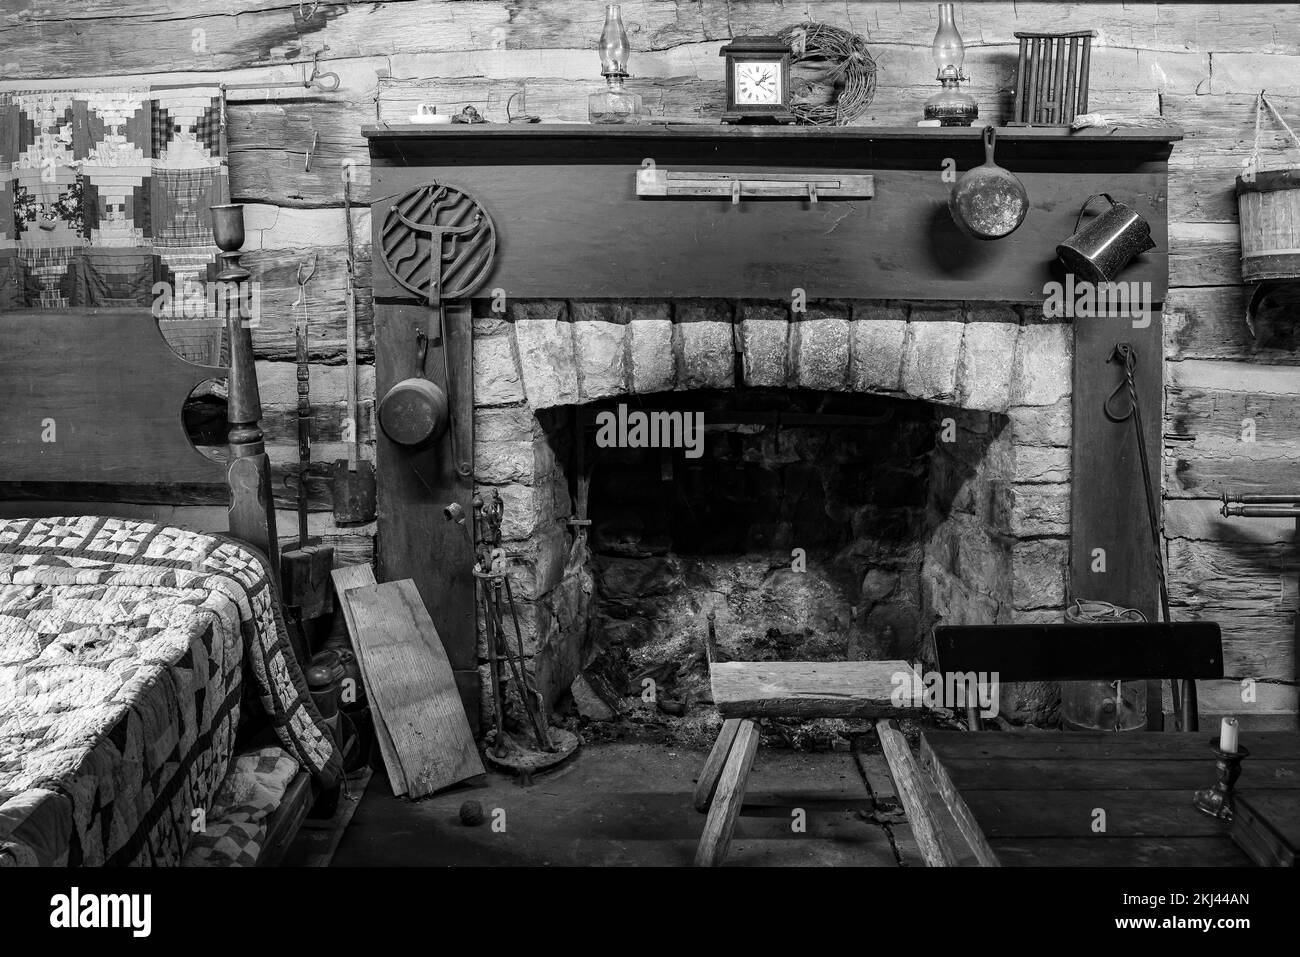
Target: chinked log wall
1198,65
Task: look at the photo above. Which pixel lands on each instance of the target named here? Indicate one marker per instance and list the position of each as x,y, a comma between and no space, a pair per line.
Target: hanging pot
1099,251
413,413
988,202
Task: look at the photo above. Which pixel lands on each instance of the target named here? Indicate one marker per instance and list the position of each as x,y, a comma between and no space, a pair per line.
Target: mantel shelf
721,131
571,225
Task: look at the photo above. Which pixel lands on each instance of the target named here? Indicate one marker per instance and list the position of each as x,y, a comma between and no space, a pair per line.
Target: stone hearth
977,398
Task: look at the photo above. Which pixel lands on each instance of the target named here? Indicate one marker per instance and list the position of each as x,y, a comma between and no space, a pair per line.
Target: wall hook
317,78
308,16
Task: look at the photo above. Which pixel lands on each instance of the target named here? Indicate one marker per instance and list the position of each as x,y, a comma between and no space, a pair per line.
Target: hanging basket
1268,208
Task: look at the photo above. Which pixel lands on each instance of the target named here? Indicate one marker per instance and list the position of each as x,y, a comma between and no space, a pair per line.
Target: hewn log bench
745,691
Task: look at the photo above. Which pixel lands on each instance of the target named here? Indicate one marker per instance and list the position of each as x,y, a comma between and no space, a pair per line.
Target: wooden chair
745,691
1131,651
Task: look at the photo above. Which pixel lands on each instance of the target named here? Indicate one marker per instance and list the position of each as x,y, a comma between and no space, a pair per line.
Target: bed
152,708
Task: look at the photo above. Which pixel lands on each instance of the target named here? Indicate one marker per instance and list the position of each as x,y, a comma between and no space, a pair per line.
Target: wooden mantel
573,226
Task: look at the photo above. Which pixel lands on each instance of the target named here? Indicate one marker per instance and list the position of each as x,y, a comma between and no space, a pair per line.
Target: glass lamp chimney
613,44
948,50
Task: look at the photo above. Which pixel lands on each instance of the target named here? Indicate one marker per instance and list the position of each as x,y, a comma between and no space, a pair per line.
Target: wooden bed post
252,507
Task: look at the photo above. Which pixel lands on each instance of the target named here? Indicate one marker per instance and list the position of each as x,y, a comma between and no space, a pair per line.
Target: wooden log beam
1210,323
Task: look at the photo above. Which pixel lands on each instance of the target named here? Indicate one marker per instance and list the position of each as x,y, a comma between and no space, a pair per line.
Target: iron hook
317,78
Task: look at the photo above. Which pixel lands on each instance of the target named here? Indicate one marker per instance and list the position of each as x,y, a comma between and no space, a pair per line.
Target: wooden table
1090,799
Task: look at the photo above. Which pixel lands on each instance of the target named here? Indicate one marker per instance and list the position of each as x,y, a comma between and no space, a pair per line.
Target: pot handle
422,343
990,137
1089,203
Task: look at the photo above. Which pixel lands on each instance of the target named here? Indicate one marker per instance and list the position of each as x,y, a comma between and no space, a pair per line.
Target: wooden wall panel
1197,64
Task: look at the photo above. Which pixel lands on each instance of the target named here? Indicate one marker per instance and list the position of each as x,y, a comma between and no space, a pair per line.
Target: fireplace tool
1182,692
491,571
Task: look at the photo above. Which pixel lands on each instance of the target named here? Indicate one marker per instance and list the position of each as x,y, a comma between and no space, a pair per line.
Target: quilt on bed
125,650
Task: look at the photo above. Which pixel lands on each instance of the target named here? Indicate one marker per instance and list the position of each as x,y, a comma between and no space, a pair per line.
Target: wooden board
1134,852
412,688
413,487
728,798
555,243
286,820
1070,746
812,689
1266,825
111,421
1082,652
345,579
708,780
1046,774
1109,511
1036,798
935,848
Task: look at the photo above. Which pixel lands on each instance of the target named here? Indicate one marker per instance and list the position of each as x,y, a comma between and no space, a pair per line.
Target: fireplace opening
802,525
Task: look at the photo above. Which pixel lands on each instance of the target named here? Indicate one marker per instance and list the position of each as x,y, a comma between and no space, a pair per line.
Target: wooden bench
745,691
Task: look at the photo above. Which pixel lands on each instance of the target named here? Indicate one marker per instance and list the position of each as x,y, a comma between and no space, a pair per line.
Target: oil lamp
614,104
950,106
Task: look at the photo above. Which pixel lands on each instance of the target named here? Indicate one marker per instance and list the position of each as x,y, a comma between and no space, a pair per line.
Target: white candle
1228,736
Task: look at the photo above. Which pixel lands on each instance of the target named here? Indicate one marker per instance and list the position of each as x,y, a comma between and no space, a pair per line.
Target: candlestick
1217,801
1228,735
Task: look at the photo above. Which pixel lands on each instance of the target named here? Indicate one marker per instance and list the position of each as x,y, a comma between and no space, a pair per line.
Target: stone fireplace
868,470
911,429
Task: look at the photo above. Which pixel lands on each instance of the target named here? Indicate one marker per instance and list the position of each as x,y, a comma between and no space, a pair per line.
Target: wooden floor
1087,799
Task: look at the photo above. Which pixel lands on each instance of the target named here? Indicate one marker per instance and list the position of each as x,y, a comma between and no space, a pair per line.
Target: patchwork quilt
104,194
126,649
236,825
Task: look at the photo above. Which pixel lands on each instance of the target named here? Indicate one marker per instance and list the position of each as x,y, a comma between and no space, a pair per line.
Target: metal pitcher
1100,250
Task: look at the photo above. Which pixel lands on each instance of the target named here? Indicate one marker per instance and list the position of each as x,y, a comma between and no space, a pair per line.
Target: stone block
1043,366
541,563
931,354
1033,463
1034,510
600,333
546,359
503,445
650,351
878,334
704,346
764,335
1038,570
984,373
1048,425
496,376
526,511
821,349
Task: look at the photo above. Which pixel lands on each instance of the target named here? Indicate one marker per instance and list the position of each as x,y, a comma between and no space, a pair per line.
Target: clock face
758,83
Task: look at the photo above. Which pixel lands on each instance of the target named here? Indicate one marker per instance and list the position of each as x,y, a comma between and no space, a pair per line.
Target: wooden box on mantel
570,224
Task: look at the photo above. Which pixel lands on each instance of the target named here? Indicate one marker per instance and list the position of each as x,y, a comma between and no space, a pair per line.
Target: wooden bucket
1268,205
1268,209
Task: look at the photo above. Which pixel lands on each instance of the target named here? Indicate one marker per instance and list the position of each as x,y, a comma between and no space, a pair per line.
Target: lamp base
951,107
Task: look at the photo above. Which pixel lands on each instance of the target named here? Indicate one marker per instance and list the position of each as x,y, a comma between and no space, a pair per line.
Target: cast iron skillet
988,202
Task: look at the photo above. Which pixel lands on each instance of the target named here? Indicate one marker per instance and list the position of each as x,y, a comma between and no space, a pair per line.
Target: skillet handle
990,137
1086,204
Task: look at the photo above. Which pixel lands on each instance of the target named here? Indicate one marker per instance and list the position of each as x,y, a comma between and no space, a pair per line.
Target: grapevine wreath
845,85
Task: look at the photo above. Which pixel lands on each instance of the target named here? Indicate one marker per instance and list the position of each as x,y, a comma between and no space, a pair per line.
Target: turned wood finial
252,508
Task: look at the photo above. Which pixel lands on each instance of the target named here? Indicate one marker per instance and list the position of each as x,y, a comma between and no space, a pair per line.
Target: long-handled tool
304,395
305,570
353,479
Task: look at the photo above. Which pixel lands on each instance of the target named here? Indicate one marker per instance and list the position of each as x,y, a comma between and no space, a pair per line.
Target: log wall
1197,65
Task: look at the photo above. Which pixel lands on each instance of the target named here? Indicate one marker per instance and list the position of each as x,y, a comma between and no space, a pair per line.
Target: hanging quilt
104,196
